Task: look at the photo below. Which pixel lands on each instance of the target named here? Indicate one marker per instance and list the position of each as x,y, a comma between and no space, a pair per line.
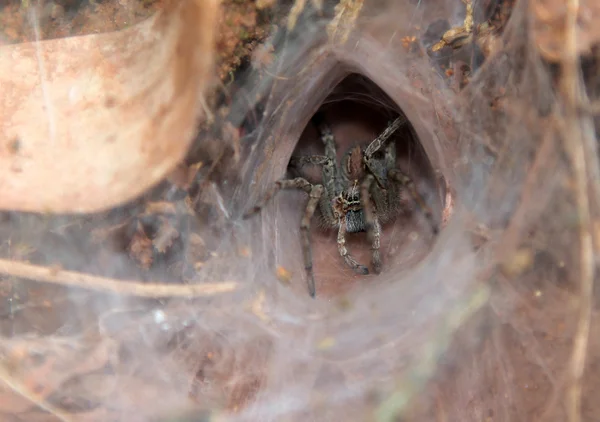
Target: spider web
488,321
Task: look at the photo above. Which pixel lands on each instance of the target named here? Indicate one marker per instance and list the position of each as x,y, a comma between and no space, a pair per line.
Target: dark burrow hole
357,111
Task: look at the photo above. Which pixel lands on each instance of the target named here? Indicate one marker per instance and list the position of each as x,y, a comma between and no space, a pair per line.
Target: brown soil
67,18
241,26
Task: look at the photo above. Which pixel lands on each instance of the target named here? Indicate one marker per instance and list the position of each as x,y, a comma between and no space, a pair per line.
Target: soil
241,27
67,18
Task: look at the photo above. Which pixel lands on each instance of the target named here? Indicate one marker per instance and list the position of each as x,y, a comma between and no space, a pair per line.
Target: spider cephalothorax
357,194
347,205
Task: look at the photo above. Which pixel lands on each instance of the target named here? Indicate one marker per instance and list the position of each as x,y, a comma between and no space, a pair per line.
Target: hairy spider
359,194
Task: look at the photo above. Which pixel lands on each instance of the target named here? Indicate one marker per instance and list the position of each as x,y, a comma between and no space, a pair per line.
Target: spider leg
372,222
328,140
390,155
297,183
378,143
316,160
331,178
329,169
315,192
350,261
402,179
314,196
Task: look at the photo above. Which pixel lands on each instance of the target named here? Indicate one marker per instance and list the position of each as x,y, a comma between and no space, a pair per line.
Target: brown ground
64,18
241,27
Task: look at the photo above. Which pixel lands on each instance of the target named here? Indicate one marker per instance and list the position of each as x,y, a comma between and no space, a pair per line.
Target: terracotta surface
92,121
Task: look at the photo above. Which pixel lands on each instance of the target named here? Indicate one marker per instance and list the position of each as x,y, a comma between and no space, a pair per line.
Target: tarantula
359,194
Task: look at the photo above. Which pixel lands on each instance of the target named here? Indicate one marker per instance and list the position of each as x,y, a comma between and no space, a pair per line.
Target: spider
358,194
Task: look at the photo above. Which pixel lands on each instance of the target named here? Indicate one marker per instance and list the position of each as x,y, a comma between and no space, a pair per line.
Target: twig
346,14
460,35
574,138
123,287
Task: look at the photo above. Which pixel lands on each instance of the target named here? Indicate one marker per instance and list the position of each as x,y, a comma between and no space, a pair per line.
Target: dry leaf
183,175
140,248
283,275
165,236
518,263
326,343
346,14
245,252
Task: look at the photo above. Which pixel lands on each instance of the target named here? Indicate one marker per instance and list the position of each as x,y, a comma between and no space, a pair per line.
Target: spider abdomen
355,221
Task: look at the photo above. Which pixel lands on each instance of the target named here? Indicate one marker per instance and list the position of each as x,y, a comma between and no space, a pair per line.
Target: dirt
67,18
241,27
